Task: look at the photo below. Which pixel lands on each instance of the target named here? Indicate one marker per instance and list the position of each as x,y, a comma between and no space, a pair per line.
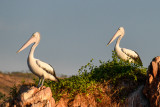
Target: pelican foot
41,87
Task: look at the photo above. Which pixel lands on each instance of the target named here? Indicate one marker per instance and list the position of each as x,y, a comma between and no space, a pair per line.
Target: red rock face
79,101
152,87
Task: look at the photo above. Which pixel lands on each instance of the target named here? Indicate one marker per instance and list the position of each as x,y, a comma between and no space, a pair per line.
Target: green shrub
2,96
89,77
116,69
13,92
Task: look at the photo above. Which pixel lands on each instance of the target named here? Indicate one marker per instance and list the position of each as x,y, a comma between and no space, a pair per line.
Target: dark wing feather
46,67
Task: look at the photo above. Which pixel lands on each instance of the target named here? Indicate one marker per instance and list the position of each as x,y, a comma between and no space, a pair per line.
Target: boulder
136,99
152,87
33,97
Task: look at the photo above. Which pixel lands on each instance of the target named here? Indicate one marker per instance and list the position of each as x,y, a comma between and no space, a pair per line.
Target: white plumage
37,67
123,53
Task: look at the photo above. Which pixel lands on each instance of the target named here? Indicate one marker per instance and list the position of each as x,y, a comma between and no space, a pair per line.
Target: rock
80,100
152,87
63,102
137,99
84,101
33,97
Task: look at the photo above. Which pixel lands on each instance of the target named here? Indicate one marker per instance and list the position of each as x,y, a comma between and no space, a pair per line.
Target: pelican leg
42,81
39,82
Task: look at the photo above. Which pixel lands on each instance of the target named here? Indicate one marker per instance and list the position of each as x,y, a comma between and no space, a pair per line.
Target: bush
116,69
2,96
89,78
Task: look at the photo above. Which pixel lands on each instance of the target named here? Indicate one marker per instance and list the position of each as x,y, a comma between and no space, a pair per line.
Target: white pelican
123,53
37,67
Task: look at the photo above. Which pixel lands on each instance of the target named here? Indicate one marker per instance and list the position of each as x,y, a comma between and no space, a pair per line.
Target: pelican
37,67
123,53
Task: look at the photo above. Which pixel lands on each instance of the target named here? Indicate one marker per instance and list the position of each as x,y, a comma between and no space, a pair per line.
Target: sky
75,31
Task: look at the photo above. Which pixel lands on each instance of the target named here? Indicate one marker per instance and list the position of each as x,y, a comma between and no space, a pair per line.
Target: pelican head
35,38
120,32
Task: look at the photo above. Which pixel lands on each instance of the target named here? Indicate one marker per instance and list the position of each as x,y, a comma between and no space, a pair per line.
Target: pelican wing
134,55
48,68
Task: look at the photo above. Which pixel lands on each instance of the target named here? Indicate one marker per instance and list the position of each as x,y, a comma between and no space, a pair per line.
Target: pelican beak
114,37
30,41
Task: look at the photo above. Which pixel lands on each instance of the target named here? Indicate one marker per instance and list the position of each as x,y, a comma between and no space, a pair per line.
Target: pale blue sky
75,31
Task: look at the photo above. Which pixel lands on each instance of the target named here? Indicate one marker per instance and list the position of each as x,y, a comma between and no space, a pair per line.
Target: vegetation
13,92
122,77
2,96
